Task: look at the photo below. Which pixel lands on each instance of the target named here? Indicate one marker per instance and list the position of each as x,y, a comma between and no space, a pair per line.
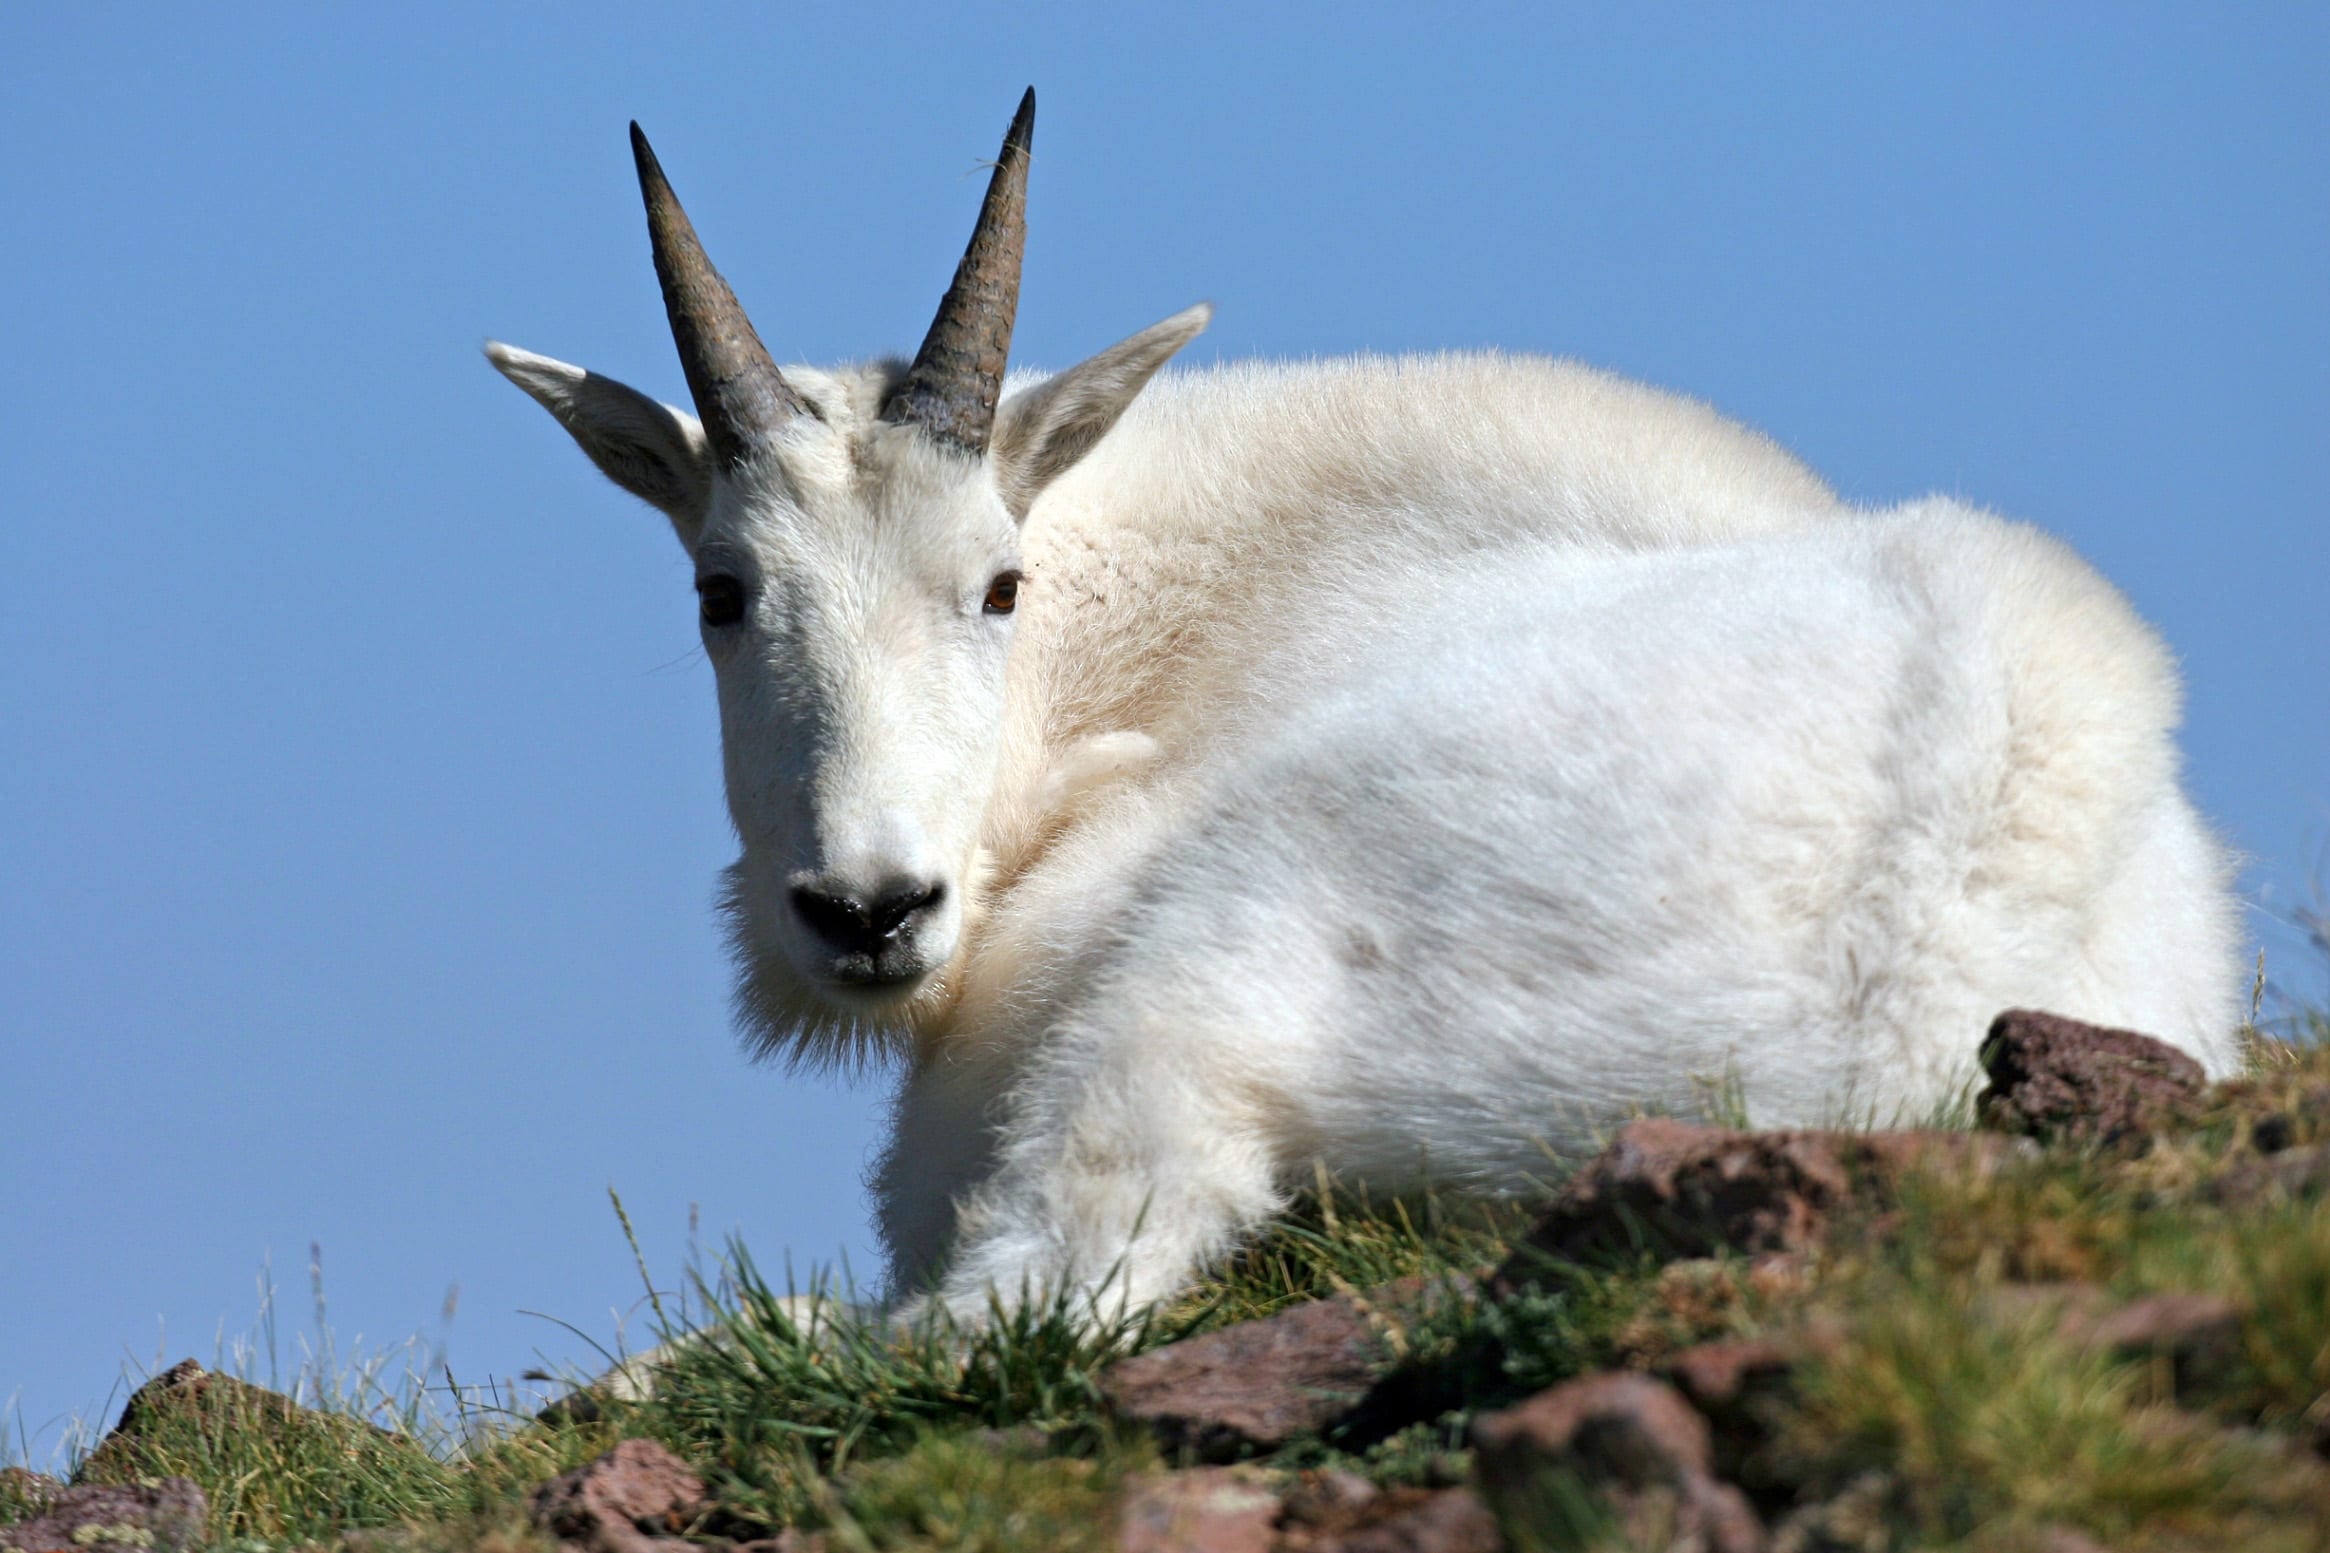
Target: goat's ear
655,452
1042,431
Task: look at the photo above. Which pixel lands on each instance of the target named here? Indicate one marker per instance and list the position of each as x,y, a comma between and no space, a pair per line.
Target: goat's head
856,543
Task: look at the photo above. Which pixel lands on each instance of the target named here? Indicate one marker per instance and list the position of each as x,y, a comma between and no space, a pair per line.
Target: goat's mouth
863,978
860,984
872,978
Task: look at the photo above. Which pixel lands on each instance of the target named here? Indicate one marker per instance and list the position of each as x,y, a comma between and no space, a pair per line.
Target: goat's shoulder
1444,443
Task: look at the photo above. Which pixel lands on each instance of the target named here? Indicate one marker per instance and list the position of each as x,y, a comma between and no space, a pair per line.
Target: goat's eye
1003,593
721,598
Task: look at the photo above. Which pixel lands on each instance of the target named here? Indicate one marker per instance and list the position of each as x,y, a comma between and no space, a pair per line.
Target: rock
2198,1334
1686,1190
1203,1510
1632,1440
2056,1077
2072,1309
167,1422
1741,1386
1447,1520
2252,1180
25,1493
163,1517
1857,1519
1342,1512
637,1498
2062,1539
1329,1498
186,1384
1718,1374
1256,1385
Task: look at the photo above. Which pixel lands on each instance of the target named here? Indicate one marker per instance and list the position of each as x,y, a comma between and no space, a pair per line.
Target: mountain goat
1401,765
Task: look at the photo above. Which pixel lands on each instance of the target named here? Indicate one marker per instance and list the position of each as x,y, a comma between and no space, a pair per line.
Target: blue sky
359,807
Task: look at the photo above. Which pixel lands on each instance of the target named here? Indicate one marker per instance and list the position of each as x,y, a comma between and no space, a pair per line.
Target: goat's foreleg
1133,1154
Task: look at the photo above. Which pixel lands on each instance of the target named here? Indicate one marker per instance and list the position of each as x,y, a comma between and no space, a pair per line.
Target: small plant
778,1391
1978,1424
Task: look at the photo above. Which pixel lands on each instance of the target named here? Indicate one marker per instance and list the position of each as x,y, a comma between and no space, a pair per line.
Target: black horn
740,395
957,376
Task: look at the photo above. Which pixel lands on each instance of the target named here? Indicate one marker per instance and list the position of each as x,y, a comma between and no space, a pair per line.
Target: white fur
1806,812
1405,765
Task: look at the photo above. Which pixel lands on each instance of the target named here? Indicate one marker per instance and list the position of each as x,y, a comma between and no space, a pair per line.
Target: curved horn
957,376
740,395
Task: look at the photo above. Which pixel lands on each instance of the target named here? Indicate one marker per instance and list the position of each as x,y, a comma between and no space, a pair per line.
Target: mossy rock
318,1469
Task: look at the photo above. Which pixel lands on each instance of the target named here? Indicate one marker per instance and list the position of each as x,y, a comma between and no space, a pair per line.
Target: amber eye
1003,593
721,598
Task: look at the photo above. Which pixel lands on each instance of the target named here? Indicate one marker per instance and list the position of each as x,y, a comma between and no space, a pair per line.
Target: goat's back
1231,506
1568,839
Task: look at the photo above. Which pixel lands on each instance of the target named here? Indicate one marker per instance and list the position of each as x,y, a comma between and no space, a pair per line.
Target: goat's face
855,537
856,590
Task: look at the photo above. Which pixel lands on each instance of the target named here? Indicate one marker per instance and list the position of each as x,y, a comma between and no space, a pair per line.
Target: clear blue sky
358,800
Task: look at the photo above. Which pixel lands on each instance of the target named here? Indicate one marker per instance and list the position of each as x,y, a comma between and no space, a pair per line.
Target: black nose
851,924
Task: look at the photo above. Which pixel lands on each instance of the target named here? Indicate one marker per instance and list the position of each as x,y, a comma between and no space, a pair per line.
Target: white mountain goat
1405,766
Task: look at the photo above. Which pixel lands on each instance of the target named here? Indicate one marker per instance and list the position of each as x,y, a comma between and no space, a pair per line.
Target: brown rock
2072,1309
1342,1512
25,1493
635,1499
1742,1387
1856,1519
162,1517
2251,1180
1632,1439
187,1384
182,1380
1685,1190
1328,1498
1717,1374
1256,1385
2062,1539
1204,1510
1625,1426
2199,1335
2057,1077
1448,1520
187,1402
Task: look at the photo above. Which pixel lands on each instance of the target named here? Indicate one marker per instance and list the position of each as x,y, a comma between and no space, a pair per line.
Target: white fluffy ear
1042,431
653,451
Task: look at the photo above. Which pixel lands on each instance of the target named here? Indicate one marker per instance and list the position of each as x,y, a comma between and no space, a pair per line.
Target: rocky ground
2098,1319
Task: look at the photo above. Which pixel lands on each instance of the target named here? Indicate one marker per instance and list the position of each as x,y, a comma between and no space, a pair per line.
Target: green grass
782,1401
1933,1421
1978,1424
964,1492
773,1404
284,1475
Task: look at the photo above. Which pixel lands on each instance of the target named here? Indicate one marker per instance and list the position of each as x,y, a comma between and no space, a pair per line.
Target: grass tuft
963,1494
778,1392
1978,1424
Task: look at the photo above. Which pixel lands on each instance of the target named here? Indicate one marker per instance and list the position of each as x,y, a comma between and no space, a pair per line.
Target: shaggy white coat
1574,836
1405,766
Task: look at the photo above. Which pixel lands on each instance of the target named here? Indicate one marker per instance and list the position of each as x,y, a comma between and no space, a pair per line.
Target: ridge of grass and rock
2098,1317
